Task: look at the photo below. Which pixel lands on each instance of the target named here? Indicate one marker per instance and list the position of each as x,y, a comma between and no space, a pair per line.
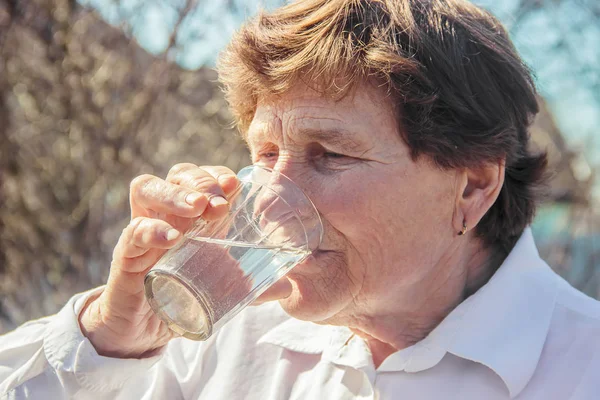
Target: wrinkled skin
391,264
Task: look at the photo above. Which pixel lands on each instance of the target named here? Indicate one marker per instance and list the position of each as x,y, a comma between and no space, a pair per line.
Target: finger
178,169
199,180
125,284
180,223
143,234
149,192
226,178
137,266
280,290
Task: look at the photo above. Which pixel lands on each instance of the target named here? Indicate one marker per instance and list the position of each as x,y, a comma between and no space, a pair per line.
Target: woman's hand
119,322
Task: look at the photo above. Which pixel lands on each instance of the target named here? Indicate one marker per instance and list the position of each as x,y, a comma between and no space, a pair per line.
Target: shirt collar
502,326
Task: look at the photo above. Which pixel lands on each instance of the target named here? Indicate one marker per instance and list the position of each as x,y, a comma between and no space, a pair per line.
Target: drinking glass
221,266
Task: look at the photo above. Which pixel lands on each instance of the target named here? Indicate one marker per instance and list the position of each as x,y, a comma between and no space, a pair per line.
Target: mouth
314,262
319,253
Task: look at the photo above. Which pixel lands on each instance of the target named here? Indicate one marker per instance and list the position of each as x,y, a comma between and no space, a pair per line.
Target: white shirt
526,334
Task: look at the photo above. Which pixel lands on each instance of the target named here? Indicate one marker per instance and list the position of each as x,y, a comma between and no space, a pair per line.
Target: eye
267,152
330,154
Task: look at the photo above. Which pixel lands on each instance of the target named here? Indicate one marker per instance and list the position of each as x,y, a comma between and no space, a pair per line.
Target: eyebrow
333,137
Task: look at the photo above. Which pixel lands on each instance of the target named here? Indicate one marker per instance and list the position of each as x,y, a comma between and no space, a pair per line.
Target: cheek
392,217
364,206
342,206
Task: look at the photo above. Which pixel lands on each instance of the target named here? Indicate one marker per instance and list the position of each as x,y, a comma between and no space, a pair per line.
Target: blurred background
96,92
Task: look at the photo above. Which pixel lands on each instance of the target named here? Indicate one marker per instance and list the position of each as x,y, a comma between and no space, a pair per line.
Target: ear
478,189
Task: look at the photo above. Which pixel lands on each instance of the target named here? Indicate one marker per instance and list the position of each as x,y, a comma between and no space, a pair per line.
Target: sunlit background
94,93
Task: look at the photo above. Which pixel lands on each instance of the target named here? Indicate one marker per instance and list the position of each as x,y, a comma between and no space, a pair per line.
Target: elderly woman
405,121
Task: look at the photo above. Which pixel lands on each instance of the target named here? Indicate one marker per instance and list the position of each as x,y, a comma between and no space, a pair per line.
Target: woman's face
387,220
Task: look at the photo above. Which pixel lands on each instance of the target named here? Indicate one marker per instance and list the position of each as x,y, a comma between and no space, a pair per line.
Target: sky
566,89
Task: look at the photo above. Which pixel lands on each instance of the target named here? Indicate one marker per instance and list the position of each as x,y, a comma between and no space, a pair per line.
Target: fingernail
172,234
192,198
217,201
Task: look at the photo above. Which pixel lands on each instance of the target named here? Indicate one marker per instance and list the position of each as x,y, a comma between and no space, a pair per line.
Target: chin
320,288
302,305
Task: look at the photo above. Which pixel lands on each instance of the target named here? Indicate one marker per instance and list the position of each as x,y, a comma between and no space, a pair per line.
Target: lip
320,251
311,263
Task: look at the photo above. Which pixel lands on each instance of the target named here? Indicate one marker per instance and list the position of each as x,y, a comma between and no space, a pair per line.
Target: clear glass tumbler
222,266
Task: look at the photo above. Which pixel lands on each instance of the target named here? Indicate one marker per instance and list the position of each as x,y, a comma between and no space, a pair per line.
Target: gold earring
464,229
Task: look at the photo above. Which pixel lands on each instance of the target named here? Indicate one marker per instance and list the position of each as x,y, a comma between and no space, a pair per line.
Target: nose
293,181
284,207
295,169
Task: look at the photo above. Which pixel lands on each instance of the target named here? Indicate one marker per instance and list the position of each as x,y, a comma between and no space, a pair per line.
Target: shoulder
576,307
572,342
571,352
576,319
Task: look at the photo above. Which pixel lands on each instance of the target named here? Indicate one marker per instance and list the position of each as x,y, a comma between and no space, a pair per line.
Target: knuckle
135,223
218,170
138,228
179,168
144,232
203,183
226,171
140,182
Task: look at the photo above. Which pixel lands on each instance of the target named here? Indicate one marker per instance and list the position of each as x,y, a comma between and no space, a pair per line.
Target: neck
425,306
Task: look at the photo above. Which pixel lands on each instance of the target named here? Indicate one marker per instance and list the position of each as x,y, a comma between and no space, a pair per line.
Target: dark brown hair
463,95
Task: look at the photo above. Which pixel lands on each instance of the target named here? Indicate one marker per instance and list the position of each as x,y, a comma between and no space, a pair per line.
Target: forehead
363,110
